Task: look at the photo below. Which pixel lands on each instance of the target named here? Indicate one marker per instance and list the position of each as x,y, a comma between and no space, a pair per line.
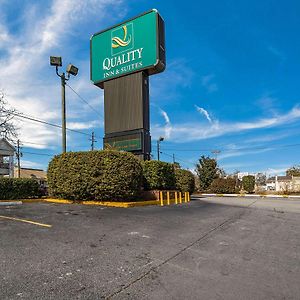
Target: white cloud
242,152
31,85
82,125
199,131
31,164
204,112
168,126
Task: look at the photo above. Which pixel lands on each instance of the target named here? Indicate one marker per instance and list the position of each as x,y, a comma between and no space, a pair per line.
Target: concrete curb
100,203
249,195
104,203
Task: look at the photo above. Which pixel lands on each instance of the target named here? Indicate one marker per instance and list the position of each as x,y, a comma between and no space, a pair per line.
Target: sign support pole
63,112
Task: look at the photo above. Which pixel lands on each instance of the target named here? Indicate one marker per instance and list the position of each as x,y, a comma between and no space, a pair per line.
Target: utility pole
18,158
173,159
93,141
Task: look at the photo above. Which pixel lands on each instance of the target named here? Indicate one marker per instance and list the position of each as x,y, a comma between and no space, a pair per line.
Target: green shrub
95,175
248,183
185,180
223,186
18,188
158,175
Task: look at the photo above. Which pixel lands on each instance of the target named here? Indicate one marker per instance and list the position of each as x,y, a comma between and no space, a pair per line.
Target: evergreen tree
207,170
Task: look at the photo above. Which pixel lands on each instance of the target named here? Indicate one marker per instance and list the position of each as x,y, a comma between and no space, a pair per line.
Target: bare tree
7,128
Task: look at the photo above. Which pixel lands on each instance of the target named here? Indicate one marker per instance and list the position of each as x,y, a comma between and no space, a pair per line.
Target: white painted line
250,195
2,203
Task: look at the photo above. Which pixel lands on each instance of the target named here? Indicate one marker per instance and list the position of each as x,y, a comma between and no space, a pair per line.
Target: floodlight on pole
71,69
160,139
56,61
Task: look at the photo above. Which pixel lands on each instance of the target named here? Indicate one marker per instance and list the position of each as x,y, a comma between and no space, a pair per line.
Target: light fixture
56,61
71,69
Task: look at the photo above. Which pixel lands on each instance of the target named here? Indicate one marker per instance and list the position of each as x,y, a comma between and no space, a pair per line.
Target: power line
20,115
177,158
32,143
85,101
34,153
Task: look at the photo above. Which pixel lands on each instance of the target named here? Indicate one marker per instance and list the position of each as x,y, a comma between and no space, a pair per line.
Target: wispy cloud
168,125
204,112
270,137
199,131
242,152
208,84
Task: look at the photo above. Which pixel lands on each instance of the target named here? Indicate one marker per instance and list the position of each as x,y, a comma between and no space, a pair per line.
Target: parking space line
26,221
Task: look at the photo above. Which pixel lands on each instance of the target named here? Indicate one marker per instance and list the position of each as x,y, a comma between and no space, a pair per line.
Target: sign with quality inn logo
123,44
129,47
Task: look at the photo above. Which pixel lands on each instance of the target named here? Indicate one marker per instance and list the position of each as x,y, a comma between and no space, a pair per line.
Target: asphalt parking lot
210,248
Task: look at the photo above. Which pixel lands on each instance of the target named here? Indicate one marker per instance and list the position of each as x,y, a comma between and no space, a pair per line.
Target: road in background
210,248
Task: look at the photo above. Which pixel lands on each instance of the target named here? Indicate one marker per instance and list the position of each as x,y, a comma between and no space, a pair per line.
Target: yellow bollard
161,198
168,198
180,198
189,198
185,197
176,201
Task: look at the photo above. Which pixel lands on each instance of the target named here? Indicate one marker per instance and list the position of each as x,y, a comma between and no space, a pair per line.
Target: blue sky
231,83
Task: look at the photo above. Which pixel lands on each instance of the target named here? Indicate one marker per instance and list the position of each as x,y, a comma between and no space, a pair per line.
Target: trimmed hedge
223,186
18,188
158,175
185,180
95,175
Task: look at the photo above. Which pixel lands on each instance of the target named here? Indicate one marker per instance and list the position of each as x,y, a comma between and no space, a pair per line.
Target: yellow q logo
117,42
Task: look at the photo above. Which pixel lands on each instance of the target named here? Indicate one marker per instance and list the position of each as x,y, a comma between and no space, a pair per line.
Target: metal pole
18,158
161,198
158,150
63,110
173,158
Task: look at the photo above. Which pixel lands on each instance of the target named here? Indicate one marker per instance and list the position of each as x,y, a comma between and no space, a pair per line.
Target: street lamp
160,139
71,70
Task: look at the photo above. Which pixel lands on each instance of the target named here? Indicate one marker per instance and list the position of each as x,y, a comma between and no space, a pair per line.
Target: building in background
7,152
283,184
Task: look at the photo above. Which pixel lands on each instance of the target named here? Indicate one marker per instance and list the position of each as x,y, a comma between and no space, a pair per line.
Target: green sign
126,48
125,143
